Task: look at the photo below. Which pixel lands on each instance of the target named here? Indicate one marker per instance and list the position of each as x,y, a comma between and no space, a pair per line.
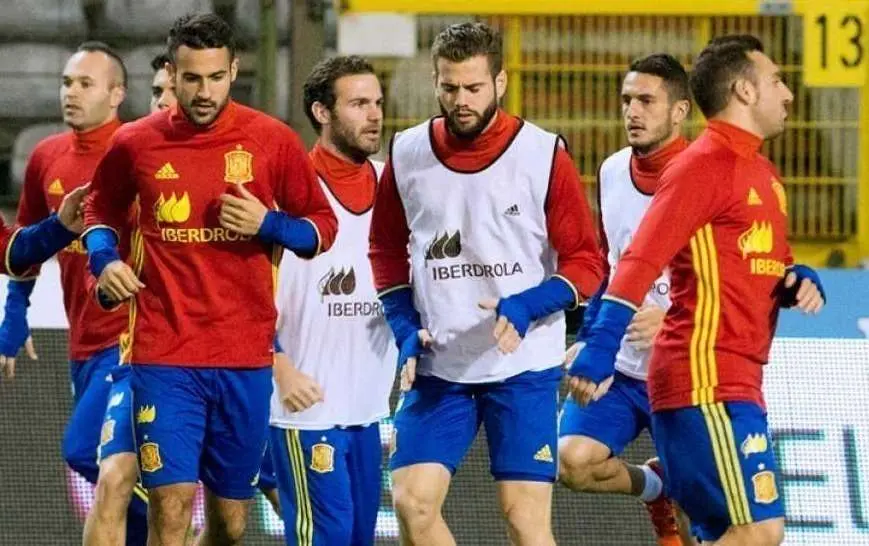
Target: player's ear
745,91
233,69
322,114
117,95
680,111
500,85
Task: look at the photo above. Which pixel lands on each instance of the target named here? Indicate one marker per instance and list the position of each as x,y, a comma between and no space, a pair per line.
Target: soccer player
334,388
719,219
655,102
101,450
500,241
202,317
162,90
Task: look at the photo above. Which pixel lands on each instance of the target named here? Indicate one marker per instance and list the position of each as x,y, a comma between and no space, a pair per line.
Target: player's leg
722,453
311,467
592,437
170,413
91,383
521,420
235,440
267,483
435,424
120,509
365,460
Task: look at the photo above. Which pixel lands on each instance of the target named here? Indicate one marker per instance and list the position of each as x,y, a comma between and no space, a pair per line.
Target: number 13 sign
836,44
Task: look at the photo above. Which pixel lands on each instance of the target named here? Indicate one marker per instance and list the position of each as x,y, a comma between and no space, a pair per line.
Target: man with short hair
501,241
201,282
162,90
718,220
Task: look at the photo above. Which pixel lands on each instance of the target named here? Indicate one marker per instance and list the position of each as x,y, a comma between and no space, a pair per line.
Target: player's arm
689,195
573,236
390,264
113,191
297,391
305,223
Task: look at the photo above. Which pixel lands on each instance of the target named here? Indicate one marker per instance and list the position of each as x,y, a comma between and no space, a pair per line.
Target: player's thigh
521,419
117,436
614,421
237,429
311,468
170,410
92,380
720,453
365,461
435,422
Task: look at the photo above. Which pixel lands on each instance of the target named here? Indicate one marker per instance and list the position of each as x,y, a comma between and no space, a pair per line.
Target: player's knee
169,508
414,506
575,468
528,520
117,478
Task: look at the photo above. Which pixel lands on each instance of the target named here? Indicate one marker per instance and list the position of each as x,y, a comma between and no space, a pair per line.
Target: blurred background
565,60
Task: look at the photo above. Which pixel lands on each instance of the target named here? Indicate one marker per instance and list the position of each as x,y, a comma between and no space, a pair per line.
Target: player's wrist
787,296
294,234
401,314
98,261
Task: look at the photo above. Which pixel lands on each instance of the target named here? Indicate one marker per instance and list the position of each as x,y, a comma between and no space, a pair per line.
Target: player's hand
71,211
415,346
584,390
243,214
118,282
809,296
511,324
297,390
7,362
645,326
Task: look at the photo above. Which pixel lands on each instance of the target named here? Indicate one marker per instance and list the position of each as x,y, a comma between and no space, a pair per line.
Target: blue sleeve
34,244
788,296
101,244
400,313
535,303
14,330
297,235
597,360
591,311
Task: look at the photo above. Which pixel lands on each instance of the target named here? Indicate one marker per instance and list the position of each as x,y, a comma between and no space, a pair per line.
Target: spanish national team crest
108,432
765,491
322,458
238,166
149,457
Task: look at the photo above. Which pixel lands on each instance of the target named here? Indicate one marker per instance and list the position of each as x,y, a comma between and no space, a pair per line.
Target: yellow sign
757,239
166,172
780,194
56,187
174,209
835,44
107,433
765,490
146,414
238,166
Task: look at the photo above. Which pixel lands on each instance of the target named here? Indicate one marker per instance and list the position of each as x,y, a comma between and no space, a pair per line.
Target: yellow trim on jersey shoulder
577,298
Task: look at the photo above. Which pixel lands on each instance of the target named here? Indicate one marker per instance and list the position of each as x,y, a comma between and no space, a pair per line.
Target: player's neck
739,118
327,145
334,167
95,137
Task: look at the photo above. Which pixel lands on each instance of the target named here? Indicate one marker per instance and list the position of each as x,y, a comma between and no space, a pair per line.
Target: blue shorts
267,480
330,484
207,424
615,420
437,421
91,388
117,435
720,465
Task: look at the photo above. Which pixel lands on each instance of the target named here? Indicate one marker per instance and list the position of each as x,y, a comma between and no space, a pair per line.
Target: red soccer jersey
209,295
58,165
719,219
568,218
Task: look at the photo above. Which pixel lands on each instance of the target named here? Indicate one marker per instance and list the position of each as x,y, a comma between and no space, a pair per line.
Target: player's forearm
18,294
298,235
101,243
632,281
35,244
400,313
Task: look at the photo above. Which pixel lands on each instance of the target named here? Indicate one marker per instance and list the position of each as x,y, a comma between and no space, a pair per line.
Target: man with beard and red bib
488,211
656,99
337,367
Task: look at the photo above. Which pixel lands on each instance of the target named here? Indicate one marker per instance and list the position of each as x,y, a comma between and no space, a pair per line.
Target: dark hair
320,85
668,69
102,47
200,31
159,61
462,41
722,61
